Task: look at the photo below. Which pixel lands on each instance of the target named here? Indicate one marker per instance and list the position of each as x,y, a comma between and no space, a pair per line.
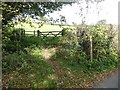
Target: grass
40,42
31,68
27,70
45,27
85,73
34,71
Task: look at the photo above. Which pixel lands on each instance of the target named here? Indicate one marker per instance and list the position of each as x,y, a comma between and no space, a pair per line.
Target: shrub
12,38
74,49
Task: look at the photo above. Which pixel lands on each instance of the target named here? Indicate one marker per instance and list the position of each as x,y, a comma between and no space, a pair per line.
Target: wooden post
34,32
119,39
38,33
63,32
23,32
91,50
20,33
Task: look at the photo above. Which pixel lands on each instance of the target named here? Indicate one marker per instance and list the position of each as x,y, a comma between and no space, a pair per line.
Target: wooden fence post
63,32
20,33
34,32
119,40
38,33
23,32
91,50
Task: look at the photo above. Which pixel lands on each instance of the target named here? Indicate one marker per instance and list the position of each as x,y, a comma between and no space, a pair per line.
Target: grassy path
64,77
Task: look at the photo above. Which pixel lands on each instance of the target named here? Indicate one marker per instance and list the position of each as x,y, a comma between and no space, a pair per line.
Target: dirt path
60,72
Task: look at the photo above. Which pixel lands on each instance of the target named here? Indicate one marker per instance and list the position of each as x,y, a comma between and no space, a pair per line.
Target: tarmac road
110,82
